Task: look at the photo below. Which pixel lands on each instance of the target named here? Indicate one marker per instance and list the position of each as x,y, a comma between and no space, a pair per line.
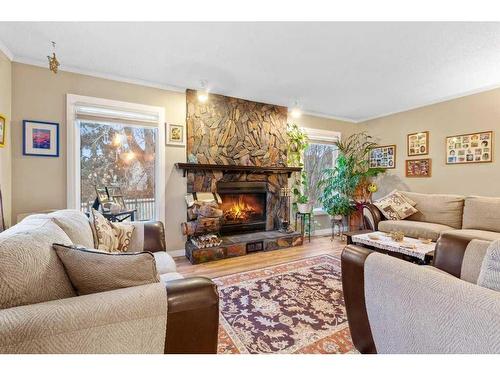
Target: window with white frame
321,154
117,145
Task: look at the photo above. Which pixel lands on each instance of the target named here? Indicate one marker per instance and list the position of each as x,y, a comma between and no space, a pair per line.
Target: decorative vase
304,208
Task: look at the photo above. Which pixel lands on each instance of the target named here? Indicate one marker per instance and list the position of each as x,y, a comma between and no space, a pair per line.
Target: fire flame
239,210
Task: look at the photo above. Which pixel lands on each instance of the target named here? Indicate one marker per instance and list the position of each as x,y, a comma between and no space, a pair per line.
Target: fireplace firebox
243,205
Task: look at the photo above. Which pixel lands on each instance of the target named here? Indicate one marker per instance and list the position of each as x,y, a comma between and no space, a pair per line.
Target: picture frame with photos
383,157
417,144
40,138
418,168
3,130
470,148
175,135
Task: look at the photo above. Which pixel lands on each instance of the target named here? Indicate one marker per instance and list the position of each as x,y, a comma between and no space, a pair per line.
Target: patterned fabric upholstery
110,236
412,309
76,225
471,234
131,320
445,209
414,229
93,271
30,271
482,213
395,206
489,276
473,259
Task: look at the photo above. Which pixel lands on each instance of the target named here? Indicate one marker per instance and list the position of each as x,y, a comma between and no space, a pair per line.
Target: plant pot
304,208
338,217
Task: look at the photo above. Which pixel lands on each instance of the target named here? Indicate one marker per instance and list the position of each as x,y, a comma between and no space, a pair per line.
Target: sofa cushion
395,206
30,271
473,259
164,262
489,276
445,209
471,234
414,229
170,276
95,271
110,236
76,225
482,213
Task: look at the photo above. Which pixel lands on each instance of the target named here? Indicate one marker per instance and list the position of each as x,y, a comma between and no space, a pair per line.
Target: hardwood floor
317,246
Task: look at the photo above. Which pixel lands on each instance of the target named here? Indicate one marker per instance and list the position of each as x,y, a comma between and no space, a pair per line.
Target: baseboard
176,253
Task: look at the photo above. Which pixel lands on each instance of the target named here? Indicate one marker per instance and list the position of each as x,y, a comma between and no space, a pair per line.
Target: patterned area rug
296,307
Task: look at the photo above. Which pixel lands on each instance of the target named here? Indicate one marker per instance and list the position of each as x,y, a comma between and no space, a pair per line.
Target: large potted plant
340,184
297,144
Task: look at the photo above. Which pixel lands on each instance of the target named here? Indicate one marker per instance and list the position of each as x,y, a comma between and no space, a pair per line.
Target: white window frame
322,136
73,151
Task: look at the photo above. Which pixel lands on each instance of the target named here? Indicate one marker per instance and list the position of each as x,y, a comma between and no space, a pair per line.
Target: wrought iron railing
145,207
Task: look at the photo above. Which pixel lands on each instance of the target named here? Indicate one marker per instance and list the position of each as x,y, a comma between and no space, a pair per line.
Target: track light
203,92
296,112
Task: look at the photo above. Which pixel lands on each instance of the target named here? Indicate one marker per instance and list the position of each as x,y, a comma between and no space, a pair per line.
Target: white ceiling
352,71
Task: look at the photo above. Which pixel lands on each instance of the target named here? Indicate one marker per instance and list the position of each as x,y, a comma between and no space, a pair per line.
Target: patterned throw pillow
489,276
395,206
94,271
110,236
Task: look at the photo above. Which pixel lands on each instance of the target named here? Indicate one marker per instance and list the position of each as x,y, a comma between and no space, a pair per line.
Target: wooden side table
303,217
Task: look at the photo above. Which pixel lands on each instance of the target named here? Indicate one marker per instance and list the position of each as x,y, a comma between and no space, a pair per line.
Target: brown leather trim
376,214
193,316
154,236
449,253
353,285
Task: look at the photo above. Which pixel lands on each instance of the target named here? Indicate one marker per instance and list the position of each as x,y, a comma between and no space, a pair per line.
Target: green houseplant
339,185
297,144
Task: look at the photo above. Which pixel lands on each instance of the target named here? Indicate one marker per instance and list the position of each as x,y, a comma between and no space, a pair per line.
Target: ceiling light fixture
296,112
203,92
53,63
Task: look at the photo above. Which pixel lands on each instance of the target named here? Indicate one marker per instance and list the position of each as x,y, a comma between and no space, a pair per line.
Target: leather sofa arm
353,284
148,236
371,216
192,317
449,253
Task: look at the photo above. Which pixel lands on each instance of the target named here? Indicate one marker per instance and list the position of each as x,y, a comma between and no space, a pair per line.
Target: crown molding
330,117
7,52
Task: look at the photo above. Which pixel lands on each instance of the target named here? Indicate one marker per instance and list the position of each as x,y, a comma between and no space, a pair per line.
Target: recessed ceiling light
203,92
296,112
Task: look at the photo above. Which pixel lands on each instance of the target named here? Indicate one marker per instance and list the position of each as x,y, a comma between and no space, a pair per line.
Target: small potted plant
303,205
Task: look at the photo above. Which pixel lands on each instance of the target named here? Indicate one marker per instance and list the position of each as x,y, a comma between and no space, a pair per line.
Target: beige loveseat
40,311
467,217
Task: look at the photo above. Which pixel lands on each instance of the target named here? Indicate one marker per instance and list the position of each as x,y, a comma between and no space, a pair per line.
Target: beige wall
469,114
40,183
6,151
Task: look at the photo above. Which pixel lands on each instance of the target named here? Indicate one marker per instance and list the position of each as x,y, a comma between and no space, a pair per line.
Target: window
320,155
117,145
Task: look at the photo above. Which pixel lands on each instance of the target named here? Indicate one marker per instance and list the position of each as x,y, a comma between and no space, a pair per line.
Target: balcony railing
145,207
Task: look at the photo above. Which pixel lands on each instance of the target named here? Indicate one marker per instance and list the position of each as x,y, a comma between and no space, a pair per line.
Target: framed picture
417,144
176,135
40,138
418,168
383,157
3,130
470,148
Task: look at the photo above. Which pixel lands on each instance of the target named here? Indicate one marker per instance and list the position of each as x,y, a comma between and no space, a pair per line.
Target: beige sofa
467,217
40,311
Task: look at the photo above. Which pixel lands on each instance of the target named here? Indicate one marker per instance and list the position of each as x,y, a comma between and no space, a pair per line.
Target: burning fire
239,210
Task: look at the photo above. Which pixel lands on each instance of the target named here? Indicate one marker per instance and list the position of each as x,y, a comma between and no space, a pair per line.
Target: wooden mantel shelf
235,168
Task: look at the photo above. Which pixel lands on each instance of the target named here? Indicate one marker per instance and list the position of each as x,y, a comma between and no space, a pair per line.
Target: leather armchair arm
192,317
353,284
148,236
371,216
449,253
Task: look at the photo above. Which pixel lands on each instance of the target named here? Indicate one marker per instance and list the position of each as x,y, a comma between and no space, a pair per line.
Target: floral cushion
110,236
395,206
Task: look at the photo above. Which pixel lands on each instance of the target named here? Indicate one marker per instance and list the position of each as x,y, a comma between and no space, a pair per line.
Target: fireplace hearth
243,206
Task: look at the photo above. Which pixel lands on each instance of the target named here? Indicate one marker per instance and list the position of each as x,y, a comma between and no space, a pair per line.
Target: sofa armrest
449,253
193,316
353,261
148,236
414,309
129,320
371,216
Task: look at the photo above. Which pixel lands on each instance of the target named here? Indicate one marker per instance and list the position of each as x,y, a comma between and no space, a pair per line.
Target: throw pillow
94,271
395,206
110,236
489,275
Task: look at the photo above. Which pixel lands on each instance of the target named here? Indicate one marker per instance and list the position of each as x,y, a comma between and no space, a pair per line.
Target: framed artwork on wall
3,130
418,168
470,148
40,138
417,143
176,135
383,157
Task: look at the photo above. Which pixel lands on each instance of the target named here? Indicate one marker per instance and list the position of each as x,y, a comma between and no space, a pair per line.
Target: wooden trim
235,168
395,155
469,134
414,160
426,143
